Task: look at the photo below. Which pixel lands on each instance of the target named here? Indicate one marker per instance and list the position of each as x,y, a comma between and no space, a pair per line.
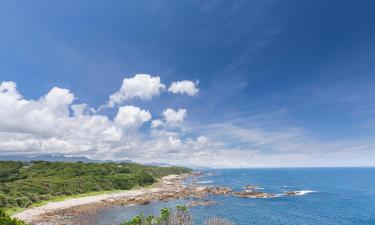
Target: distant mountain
51,158
62,158
158,164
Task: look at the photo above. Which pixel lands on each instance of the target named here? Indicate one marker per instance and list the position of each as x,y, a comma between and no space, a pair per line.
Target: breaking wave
304,192
205,182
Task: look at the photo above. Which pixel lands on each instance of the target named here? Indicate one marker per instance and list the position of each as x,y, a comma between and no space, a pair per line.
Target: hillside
25,183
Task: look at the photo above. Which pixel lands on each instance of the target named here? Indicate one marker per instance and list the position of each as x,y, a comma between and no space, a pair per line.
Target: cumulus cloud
184,87
131,116
172,116
157,123
142,86
46,126
56,124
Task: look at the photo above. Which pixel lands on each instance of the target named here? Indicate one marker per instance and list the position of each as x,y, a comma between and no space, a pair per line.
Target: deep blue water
344,196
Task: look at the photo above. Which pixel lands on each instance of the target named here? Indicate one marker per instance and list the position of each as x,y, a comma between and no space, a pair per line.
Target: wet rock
290,193
202,203
254,194
197,173
205,190
252,187
220,190
201,191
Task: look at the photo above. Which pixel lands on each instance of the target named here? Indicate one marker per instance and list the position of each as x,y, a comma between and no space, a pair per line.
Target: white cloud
54,124
131,116
141,86
202,140
171,116
184,87
79,109
157,123
45,126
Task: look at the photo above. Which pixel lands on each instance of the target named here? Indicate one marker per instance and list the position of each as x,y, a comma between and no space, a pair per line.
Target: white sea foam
304,192
279,195
205,182
295,193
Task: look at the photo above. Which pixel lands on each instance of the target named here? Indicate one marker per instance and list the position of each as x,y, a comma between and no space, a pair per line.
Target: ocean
329,196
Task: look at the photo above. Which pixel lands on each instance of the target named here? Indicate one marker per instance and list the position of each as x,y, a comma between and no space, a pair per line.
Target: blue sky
281,83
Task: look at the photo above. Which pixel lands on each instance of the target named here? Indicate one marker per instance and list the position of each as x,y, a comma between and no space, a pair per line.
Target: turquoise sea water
333,196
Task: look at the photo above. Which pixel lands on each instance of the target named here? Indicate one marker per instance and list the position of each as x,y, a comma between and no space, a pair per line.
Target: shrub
144,178
178,216
140,220
23,201
7,220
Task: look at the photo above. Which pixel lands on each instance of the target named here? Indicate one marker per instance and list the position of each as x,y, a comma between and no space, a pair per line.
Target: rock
290,193
141,200
197,173
254,194
220,190
200,191
205,190
203,203
252,187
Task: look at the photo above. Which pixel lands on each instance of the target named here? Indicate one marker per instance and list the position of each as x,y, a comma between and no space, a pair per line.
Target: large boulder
220,190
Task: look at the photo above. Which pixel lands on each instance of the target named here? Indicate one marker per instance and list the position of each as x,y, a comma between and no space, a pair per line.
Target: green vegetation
7,220
27,183
178,216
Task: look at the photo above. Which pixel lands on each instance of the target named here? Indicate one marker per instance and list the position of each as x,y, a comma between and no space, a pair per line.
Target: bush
7,220
144,178
179,216
23,201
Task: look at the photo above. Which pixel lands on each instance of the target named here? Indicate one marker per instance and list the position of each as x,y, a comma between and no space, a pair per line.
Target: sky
213,83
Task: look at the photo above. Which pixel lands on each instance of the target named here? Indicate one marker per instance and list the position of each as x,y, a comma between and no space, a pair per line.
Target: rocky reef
254,194
168,188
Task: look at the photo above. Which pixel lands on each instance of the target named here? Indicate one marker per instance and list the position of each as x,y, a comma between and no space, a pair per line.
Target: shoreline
168,187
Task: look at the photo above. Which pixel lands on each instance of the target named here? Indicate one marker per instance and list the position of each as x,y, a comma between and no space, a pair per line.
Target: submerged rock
252,187
254,194
290,193
202,203
198,173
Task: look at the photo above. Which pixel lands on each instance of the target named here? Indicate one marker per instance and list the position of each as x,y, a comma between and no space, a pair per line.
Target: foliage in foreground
7,220
25,183
178,216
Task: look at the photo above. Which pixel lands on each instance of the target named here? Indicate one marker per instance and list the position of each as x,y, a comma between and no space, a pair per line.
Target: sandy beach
167,188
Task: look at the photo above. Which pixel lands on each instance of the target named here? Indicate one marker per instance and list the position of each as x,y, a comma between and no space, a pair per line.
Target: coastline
168,187
82,210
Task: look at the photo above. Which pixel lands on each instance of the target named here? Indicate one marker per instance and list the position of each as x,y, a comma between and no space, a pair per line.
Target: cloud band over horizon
55,124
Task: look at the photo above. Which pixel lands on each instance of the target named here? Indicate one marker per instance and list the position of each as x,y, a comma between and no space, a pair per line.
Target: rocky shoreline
168,188
69,211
